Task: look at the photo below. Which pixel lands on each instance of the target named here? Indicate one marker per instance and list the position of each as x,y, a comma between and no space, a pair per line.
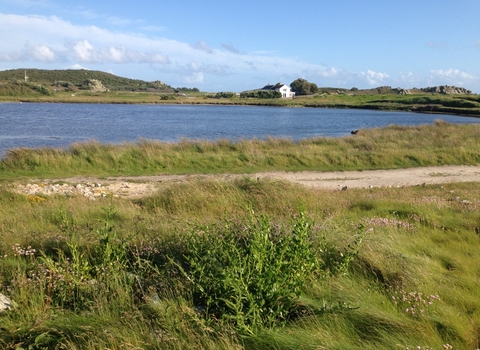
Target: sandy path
134,187
384,178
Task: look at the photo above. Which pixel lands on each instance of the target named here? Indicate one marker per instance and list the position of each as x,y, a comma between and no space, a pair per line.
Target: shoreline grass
379,148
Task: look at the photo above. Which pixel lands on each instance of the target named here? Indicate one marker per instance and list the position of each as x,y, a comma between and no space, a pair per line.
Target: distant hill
78,78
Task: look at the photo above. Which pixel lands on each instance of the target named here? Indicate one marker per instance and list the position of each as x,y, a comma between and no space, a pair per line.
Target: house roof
272,87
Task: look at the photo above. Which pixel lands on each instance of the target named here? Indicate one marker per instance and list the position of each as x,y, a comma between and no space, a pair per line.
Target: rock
5,303
401,91
94,85
447,90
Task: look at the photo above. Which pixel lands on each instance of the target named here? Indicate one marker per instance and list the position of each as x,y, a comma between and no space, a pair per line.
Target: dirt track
134,187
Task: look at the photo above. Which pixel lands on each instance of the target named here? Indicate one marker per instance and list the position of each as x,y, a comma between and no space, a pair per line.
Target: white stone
5,303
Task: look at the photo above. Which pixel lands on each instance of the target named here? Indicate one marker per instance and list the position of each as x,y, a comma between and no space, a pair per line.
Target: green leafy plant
250,277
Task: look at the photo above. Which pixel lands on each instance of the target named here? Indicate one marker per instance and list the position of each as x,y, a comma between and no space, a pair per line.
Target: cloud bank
52,43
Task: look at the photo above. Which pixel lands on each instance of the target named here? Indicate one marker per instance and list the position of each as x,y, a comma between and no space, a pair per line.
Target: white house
285,90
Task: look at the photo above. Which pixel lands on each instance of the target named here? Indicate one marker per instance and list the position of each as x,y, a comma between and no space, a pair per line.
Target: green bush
167,97
260,94
303,87
249,277
221,95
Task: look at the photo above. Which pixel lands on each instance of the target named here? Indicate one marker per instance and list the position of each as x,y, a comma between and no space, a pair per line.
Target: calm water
59,125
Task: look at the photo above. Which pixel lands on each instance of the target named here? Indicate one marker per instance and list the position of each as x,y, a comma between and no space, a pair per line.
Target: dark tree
303,87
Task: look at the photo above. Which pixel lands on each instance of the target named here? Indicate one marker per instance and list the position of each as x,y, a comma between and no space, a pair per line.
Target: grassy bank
390,147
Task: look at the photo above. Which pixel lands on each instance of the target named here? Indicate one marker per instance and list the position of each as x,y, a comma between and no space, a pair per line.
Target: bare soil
135,187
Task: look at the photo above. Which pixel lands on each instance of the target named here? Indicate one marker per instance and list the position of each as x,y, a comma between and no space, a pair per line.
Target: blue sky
245,44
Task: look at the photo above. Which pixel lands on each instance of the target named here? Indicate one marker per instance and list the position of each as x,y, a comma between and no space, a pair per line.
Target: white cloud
83,51
77,66
452,73
42,53
452,77
374,78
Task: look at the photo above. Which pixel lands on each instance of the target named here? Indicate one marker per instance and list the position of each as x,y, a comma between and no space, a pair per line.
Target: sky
222,45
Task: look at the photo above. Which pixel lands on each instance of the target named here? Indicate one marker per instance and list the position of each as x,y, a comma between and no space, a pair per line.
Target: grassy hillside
77,78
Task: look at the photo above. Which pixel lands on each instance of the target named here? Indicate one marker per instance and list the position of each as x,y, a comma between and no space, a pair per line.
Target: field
242,263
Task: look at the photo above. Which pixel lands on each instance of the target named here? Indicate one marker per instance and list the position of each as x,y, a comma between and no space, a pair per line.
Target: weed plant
250,277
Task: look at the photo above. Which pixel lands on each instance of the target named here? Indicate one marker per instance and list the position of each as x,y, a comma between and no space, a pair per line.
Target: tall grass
389,147
96,275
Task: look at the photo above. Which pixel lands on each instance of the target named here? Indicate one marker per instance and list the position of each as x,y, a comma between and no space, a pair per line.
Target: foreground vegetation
254,265
245,264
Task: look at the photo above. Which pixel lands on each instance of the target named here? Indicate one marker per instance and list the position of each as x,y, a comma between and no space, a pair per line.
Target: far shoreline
419,109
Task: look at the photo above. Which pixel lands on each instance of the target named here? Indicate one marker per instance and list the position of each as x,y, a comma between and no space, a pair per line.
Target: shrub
260,94
249,277
167,97
222,95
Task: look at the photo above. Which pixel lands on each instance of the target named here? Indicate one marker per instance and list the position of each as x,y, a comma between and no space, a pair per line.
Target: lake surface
35,125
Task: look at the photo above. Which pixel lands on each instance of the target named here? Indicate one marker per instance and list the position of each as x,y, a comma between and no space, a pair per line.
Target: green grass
111,284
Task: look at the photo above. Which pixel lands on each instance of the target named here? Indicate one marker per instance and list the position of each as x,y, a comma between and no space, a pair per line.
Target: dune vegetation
244,264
